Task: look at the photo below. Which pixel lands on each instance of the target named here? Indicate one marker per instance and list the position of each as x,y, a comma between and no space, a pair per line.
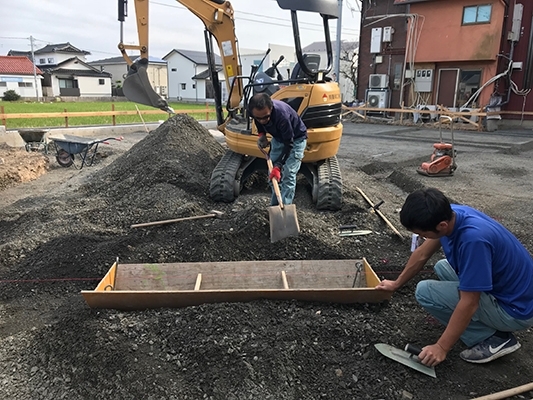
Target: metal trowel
406,357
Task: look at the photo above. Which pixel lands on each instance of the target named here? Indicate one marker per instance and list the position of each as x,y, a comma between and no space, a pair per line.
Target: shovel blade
405,358
283,222
137,88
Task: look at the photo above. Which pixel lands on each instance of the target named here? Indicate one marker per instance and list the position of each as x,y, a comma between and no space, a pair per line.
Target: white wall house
349,50
251,57
66,72
17,73
188,75
75,78
118,68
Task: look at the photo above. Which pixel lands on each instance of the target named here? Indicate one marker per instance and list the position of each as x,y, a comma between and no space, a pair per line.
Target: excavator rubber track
329,190
224,186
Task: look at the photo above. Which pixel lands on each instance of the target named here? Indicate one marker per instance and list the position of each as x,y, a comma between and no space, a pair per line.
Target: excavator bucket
137,87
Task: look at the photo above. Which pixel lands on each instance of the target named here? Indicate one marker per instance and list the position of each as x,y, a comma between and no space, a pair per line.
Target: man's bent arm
416,262
460,319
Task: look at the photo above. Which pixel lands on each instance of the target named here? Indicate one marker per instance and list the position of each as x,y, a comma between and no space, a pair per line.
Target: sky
93,25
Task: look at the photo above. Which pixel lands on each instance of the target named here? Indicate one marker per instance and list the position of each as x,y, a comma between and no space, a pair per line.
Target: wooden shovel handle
170,221
275,183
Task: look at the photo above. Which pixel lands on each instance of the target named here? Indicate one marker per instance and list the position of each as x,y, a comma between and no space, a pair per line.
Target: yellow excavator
309,90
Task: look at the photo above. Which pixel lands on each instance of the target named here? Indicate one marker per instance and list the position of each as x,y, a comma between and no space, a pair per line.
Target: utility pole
337,68
34,69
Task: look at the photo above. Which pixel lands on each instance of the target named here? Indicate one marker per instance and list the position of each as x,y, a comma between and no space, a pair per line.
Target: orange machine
442,160
309,90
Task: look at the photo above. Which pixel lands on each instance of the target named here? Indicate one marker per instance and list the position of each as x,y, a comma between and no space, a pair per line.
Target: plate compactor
442,161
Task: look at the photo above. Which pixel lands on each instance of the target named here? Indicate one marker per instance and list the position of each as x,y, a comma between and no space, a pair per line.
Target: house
18,73
118,68
461,54
188,76
347,64
67,73
249,57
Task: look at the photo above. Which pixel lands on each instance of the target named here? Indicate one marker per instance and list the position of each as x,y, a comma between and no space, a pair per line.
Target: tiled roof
197,57
78,72
205,74
60,48
321,46
51,48
120,60
13,65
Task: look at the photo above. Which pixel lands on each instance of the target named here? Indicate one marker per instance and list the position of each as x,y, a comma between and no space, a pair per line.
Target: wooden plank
135,300
108,282
304,274
318,280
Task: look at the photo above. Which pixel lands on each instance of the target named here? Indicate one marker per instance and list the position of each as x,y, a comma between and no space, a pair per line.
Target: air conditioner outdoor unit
378,81
425,117
377,98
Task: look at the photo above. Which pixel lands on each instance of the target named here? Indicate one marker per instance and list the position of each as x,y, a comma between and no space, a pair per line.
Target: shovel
406,357
283,218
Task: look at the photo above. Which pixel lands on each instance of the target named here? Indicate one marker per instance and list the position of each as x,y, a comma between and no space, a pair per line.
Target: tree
348,64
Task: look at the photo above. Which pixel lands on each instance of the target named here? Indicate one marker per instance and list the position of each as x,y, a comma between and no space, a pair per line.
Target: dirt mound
18,166
165,176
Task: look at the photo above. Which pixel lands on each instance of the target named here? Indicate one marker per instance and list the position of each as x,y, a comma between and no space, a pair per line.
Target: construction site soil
60,233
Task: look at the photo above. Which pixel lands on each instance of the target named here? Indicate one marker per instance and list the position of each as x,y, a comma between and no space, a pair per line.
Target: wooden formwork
144,286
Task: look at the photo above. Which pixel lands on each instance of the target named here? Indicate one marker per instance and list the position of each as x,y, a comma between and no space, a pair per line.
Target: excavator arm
218,18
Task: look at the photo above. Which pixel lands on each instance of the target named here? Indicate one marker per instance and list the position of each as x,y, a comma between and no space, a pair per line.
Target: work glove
275,173
262,142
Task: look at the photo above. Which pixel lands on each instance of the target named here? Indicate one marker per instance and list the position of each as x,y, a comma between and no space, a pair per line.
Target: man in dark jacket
289,139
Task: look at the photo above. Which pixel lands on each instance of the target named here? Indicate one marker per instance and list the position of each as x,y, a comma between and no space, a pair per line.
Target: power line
264,22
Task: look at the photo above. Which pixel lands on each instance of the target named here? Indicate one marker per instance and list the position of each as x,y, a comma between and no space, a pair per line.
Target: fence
473,119
113,113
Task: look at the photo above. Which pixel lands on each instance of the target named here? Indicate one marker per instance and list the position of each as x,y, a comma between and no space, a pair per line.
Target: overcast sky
92,25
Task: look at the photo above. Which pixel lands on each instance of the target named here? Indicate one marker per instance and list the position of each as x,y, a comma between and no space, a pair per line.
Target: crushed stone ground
57,243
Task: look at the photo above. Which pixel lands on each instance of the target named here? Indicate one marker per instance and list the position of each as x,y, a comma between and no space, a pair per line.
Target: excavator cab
308,90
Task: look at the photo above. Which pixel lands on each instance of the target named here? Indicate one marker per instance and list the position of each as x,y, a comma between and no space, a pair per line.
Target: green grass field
28,107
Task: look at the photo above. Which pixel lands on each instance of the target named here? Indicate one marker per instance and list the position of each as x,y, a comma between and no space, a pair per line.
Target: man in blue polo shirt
289,139
485,287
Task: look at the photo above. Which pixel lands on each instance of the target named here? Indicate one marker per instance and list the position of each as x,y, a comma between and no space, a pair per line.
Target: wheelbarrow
34,139
68,146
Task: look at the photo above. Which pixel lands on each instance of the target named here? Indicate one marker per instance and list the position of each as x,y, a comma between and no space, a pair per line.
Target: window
101,81
194,85
183,86
68,83
42,60
477,14
25,84
3,84
50,60
469,82
174,70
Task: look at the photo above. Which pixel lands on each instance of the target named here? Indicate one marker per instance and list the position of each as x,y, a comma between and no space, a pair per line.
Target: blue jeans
440,298
287,186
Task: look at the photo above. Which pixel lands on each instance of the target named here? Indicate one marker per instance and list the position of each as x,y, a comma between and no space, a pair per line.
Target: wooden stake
198,282
284,278
507,393
142,119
